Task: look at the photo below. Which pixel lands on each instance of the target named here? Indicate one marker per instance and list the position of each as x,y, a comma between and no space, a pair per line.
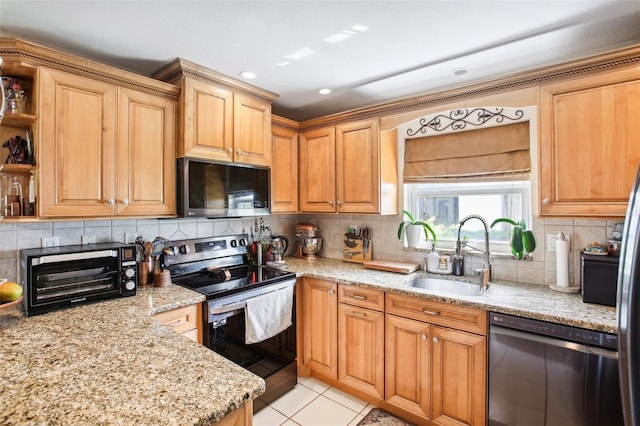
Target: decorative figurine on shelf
18,148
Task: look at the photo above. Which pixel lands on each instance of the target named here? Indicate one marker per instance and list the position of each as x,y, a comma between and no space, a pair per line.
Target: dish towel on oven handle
268,315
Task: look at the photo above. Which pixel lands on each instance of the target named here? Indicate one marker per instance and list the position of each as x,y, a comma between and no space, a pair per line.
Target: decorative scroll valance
467,144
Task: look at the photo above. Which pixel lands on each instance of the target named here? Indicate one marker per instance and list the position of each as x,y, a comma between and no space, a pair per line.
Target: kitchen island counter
525,300
112,363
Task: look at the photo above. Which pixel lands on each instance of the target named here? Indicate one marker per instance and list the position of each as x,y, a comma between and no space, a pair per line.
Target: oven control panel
198,249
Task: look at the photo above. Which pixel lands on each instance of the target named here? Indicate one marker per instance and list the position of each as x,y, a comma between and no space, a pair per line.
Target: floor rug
377,416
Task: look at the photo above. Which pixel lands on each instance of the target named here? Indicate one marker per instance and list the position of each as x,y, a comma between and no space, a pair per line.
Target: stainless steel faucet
485,272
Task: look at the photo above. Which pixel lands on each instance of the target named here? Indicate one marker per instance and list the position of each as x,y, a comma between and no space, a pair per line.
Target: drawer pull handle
359,296
174,323
359,314
428,312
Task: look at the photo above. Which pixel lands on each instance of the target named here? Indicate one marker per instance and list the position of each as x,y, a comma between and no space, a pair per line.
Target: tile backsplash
540,269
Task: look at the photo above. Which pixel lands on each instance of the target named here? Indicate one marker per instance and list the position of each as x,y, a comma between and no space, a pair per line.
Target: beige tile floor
313,403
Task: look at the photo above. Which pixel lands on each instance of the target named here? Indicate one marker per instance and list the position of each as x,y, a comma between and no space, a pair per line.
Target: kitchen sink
440,285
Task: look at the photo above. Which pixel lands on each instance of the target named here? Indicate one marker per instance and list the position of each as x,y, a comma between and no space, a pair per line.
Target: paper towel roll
562,262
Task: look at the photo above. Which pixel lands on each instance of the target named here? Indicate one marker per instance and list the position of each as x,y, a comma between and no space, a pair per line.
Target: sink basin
439,285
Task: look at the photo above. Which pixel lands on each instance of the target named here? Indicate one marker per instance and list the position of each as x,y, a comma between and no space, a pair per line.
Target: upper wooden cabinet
284,169
104,150
340,168
221,119
589,149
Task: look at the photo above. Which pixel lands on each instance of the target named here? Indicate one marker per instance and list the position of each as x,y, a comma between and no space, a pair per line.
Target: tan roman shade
494,152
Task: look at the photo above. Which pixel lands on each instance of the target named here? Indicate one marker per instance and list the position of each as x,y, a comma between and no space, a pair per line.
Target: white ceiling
389,49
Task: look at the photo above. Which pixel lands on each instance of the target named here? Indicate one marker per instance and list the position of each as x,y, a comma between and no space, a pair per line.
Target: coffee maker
308,242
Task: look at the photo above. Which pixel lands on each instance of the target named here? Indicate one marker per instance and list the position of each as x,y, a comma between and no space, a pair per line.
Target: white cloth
267,315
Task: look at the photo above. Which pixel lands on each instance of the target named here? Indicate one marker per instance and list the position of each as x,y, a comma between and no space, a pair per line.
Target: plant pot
413,234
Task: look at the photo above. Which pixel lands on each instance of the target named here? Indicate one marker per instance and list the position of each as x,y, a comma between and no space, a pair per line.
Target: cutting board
392,266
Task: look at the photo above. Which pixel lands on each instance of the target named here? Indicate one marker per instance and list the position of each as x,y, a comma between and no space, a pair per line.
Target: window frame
520,186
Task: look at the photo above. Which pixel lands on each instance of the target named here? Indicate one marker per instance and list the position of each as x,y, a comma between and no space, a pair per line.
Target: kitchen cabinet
361,339
340,168
284,169
186,320
18,124
221,119
104,150
589,151
321,326
435,360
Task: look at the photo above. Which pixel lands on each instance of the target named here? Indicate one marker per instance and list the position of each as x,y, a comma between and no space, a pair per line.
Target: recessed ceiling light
324,91
460,71
248,75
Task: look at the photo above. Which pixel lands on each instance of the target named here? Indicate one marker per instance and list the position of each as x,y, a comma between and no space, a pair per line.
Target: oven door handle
238,304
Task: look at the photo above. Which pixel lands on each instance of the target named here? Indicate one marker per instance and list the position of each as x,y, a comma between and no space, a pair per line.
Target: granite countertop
525,300
111,363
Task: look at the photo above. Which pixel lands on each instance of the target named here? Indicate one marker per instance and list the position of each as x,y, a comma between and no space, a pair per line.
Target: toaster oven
58,277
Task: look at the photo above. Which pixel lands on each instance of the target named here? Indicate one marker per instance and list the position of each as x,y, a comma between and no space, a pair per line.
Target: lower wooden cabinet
243,416
361,340
186,320
321,326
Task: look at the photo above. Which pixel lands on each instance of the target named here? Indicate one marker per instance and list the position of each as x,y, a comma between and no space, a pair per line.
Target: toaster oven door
62,280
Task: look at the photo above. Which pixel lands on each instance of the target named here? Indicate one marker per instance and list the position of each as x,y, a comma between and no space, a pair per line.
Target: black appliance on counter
599,278
62,276
209,189
218,267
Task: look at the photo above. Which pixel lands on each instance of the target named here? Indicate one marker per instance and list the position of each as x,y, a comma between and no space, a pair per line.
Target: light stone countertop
525,300
110,363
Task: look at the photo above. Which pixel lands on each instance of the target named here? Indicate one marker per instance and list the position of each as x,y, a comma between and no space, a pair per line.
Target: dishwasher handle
504,331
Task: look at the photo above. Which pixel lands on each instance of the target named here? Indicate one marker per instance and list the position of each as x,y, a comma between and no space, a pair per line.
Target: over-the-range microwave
214,190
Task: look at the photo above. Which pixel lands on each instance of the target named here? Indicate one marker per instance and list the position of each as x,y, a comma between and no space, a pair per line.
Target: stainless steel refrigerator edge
628,310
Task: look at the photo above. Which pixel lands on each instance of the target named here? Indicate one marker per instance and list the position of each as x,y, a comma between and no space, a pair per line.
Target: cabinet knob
239,151
339,202
330,203
229,150
124,202
331,291
546,201
424,336
111,201
436,340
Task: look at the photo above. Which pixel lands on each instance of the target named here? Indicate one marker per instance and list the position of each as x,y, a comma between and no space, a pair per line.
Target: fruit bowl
11,304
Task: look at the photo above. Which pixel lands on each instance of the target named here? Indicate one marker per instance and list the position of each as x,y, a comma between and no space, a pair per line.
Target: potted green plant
522,239
413,227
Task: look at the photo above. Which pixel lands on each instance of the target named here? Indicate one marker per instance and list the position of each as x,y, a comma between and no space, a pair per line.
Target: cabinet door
317,170
589,150
321,326
361,349
77,146
251,130
407,363
284,170
185,320
206,121
458,377
146,151
357,167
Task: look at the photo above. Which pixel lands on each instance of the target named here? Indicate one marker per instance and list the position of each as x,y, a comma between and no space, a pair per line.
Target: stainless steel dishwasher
543,373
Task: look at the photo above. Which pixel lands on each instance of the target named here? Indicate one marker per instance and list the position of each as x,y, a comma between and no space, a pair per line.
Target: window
443,205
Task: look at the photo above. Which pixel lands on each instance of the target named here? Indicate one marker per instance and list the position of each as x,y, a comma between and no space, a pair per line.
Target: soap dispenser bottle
433,260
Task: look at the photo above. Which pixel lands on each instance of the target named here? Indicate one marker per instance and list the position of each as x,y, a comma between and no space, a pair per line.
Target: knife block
353,251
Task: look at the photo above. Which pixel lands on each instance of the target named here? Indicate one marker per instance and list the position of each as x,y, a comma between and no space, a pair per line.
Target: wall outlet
130,237
552,238
88,239
50,241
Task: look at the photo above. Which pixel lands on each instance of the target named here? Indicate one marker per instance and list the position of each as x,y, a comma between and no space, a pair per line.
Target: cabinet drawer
454,316
363,297
182,319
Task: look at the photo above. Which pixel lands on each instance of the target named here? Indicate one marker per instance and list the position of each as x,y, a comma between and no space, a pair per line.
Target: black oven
59,277
218,268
